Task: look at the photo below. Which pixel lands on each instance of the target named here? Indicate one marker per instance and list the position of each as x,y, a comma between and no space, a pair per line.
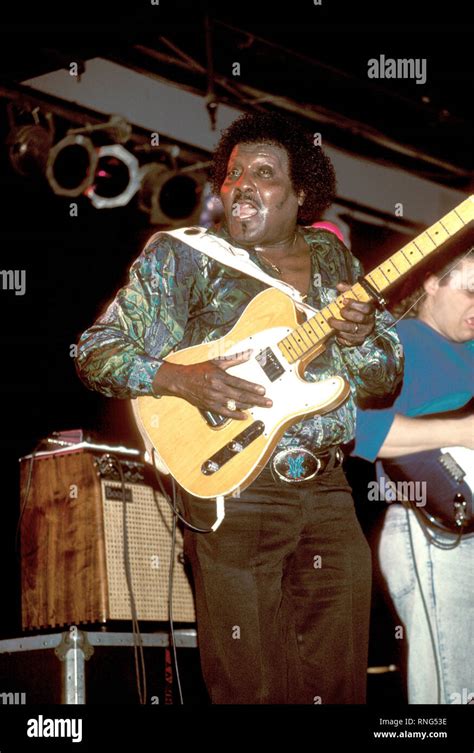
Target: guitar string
403,316
369,340
423,295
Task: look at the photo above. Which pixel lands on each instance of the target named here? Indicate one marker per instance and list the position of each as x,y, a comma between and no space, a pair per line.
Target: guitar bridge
454,470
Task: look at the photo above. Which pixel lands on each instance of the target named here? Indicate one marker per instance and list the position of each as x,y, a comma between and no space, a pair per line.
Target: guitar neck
316,330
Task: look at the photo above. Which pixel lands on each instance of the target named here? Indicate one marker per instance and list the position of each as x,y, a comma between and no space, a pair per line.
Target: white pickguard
289,393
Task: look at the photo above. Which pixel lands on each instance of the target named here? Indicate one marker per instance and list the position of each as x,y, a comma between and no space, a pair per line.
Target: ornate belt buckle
295,464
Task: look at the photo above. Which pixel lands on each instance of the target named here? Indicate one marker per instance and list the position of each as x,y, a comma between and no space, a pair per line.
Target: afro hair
310,169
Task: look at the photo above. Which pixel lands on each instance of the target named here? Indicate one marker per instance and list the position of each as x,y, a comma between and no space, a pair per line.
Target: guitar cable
170,602
431,537
140,669
172,502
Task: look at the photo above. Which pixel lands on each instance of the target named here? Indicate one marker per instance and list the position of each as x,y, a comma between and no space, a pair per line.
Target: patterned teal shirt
177,297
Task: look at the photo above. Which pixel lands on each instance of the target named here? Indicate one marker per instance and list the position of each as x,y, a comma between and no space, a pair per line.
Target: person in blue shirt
430,586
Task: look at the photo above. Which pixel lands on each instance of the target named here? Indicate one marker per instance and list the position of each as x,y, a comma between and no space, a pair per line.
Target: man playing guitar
427,569
283,586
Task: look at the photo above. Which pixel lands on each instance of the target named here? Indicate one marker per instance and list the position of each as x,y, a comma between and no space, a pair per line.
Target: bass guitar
448,478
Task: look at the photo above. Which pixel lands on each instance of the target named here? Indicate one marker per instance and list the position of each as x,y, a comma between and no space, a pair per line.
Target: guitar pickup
232,448
270,364
214,420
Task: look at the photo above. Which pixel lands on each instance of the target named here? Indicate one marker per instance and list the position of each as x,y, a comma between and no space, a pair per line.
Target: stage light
170,197
110,175
117,178
71,165
28,149
117,129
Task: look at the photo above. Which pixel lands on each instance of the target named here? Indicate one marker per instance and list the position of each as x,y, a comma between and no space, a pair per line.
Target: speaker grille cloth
149,527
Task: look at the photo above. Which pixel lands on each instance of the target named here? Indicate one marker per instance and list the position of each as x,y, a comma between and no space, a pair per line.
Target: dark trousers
282,593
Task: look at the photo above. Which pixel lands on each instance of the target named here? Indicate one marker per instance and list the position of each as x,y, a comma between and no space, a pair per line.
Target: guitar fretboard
316,330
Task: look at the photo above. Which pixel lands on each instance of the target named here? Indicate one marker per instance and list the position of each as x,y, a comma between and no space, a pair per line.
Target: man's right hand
208,386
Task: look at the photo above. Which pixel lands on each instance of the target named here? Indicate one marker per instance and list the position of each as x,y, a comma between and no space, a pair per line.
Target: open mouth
470,322
244,209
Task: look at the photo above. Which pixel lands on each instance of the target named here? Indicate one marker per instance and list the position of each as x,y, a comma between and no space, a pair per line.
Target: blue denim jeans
282,593
446,578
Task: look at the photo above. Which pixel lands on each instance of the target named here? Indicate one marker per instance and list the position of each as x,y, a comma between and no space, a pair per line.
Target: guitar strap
237,258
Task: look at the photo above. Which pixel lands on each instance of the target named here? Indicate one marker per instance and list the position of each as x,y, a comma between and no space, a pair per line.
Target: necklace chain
274,266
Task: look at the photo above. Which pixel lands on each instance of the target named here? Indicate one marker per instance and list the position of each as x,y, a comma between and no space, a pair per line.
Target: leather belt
296,465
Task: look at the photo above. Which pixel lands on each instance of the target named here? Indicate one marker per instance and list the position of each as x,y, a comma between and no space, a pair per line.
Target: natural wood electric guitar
210,455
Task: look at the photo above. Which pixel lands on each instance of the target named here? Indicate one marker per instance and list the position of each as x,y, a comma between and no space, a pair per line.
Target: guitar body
182,436
448,475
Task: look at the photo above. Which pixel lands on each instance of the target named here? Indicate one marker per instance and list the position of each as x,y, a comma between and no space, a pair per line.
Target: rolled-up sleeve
372,428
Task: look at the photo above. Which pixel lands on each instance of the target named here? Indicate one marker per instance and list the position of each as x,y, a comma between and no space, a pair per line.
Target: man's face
449,308
259,201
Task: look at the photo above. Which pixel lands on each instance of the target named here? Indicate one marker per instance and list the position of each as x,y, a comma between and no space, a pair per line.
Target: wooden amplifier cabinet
72,543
